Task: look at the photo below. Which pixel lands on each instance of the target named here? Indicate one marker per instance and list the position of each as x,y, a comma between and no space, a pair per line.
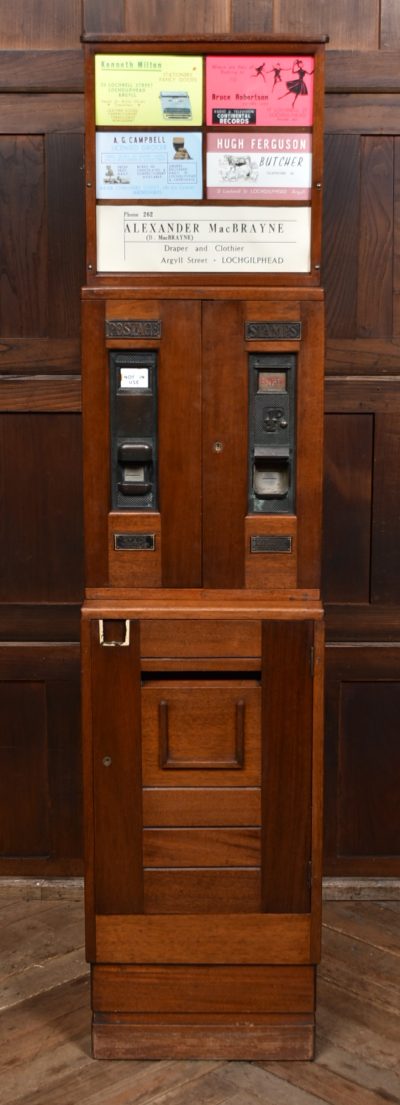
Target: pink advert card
259,91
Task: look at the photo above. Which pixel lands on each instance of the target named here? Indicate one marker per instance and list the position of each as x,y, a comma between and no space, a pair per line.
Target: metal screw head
218,446
107,761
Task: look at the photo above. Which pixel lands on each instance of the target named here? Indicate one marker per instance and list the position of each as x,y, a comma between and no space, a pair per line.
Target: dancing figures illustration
297,87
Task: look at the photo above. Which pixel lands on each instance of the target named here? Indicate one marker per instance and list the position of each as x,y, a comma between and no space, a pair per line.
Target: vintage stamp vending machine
202,625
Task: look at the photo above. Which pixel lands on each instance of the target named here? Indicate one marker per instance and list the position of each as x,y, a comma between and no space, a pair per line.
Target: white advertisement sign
203,239
258,166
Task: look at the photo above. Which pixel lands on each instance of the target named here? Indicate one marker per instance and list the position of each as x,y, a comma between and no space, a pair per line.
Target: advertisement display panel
258,166
149,164
203,239
259,91
148,90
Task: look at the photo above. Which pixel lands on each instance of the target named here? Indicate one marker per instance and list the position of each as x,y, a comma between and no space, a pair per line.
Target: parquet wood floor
44,1021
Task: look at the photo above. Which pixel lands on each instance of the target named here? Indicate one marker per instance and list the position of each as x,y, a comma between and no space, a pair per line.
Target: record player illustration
175,105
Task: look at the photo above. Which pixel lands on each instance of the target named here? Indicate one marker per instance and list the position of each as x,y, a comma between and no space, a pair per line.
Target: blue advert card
149,165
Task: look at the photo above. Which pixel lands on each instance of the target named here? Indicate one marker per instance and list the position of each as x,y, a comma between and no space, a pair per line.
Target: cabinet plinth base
272,1037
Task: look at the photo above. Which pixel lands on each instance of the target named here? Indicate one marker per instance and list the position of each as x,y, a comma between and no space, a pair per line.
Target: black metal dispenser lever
135,459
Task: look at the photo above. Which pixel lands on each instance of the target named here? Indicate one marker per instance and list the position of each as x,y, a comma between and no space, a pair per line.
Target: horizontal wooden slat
362,622
363,356
40,393
38,661
197,639
202,891
281,938
205,806
201,989
363,394
361,71
201,847
41,71
367,113
37,114
37,355
254,1041
44,622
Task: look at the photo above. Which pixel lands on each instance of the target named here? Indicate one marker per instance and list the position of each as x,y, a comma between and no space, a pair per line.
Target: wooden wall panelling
23,308
26,24
41,520
390,25
375,257
341,233
287,770
347,507
362,760
252,16
385,581
396,241
348,26
41,70
362,113
41,830
66,232
114,675
157,16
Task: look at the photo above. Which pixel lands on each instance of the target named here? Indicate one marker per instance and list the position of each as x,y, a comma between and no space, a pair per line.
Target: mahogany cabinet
202,630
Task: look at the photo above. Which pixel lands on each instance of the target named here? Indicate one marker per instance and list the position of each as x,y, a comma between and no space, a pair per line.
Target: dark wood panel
179,444
41,622
115,688
218,891
390,25
363,622
347,507
24,794
287,756
252,16
103,15
65,768
40,355
347,26
41,114
340,233
362,760
201,847
200,989
396,239
361,71
362,113
369,765
40,490
42,26
375,254
23,307
385,581
364,356
362,394
225,404
40,393
41,71
201,806
66,232
310,446
177,17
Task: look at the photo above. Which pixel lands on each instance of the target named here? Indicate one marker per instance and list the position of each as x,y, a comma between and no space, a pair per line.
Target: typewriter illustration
175,105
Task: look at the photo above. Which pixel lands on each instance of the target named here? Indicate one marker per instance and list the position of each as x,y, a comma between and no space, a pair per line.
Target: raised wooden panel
390,25
27,24
362,760
103,16
340,233
348,507
40,772
280,939
177,17
354,26
198,989
252,16
201,806
287,766
193,639
199,891
201,847
23,307
375,255
66,272
396,240
24,770
362,113
41,521
112,680
385,581
201,732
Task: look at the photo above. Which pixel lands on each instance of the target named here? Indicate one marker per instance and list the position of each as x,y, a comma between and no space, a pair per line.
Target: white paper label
203,239
134,378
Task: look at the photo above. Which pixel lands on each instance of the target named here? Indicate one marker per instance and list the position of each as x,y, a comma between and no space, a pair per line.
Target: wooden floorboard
45,1021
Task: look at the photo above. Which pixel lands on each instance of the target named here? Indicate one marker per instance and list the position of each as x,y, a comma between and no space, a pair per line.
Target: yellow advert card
148,90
